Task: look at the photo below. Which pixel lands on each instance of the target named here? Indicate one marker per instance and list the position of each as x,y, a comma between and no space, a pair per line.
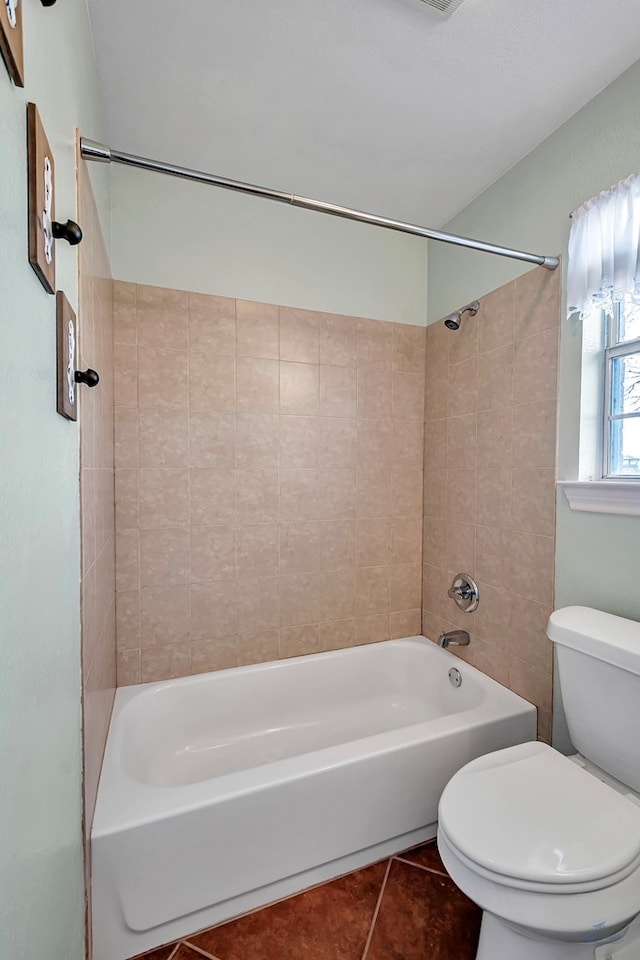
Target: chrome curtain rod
91,150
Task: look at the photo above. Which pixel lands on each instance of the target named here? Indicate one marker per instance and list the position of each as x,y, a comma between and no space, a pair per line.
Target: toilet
549,845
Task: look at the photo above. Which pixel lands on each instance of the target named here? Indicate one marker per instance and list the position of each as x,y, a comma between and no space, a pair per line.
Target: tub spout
457,638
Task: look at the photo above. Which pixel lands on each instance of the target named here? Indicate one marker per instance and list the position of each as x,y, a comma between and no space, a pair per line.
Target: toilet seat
529,819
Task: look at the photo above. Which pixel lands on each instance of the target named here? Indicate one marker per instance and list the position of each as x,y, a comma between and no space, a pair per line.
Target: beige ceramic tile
214,610
407,490
164,557
409,348
527,634
299,389
298,494
165,662
336,494
492,617
298,335
374,393
337,340
532,684
256,441
337,391
164,615
258,605
493,498
435,541
125,375
495,438
299,641
299,542
373,492
162,377
495,378
408,440
461,495
299,442
534,500
535,372
492,660
374,541
375,343
127,560
492,565
212,439
435,444
463,388
128,619
124,313
406,586
258,550
408,396
337,443
164,498
375,444
530,560
406,540
258,647
464,341
335,542
373,590
257,329
373,629
336,634
163,437
212,325
161,317
496,318
300,600
128,667
220,653
461,546
257,496
537,302
435,493
213,553
436,394
337,591
212,497
534,434
126,497
406,623
125,437
462,444
212,384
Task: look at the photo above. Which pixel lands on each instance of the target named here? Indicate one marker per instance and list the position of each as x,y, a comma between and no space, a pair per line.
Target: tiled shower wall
95,336
269,481
489,493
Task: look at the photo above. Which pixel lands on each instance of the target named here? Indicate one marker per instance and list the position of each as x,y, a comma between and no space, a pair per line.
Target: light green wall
192,237
41,875
596,554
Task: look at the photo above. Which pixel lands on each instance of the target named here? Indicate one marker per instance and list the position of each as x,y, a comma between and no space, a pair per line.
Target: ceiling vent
446,8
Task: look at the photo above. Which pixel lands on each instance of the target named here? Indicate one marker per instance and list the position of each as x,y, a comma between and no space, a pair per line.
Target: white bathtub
222,792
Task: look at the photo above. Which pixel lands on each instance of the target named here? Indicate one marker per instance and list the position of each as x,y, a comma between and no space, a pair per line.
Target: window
621,425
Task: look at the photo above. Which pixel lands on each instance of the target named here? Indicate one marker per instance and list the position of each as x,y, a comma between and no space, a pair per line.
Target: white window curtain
604,249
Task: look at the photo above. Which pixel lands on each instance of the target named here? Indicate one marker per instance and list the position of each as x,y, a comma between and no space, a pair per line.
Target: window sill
604,496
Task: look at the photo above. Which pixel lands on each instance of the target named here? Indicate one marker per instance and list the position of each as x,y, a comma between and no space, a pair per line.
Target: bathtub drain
455,677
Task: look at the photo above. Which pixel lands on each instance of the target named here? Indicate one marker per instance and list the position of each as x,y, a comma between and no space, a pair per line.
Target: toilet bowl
547,845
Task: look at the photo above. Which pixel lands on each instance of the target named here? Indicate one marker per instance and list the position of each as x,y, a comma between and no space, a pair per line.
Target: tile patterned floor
405,908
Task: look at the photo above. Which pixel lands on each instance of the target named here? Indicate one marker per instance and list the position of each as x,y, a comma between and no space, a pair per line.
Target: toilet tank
599,674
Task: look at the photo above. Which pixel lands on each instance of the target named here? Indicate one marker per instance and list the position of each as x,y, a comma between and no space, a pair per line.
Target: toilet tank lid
601,635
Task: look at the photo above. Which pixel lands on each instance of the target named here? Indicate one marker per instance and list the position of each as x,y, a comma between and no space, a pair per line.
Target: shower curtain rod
91,150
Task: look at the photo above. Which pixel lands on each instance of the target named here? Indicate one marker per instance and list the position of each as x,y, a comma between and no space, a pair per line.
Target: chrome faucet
456,638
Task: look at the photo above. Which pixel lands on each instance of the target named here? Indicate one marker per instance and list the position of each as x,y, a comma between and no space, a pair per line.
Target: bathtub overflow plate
455,677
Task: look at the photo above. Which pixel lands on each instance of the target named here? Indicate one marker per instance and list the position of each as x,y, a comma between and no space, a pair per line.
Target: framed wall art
11,39
42,256
66,339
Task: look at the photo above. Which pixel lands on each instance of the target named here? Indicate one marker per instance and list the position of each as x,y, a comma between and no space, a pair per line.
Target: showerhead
454,320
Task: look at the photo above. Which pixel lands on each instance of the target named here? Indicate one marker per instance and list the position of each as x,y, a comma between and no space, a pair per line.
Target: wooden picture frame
42,254
11,39
66,351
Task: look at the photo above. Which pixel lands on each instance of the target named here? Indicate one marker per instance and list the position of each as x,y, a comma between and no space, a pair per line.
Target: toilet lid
529,813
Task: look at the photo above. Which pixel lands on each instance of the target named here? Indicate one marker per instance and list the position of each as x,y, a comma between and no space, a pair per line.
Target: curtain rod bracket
92,150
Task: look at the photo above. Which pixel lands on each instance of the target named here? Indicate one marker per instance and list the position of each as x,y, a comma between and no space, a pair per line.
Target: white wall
41,878
529,207
192,237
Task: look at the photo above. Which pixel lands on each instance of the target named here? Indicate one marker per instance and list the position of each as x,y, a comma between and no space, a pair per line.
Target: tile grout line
376,911
191,946
420,866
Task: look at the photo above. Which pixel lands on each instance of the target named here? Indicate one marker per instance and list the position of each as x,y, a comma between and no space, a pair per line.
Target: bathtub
222,792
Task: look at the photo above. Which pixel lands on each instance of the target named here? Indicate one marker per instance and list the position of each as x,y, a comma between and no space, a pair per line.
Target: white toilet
547,845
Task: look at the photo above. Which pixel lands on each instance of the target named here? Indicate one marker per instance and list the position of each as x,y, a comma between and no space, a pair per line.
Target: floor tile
160,953
330,922
423,916
426,856
186,953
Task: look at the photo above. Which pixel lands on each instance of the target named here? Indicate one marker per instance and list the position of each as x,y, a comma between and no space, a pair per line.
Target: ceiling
380,105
